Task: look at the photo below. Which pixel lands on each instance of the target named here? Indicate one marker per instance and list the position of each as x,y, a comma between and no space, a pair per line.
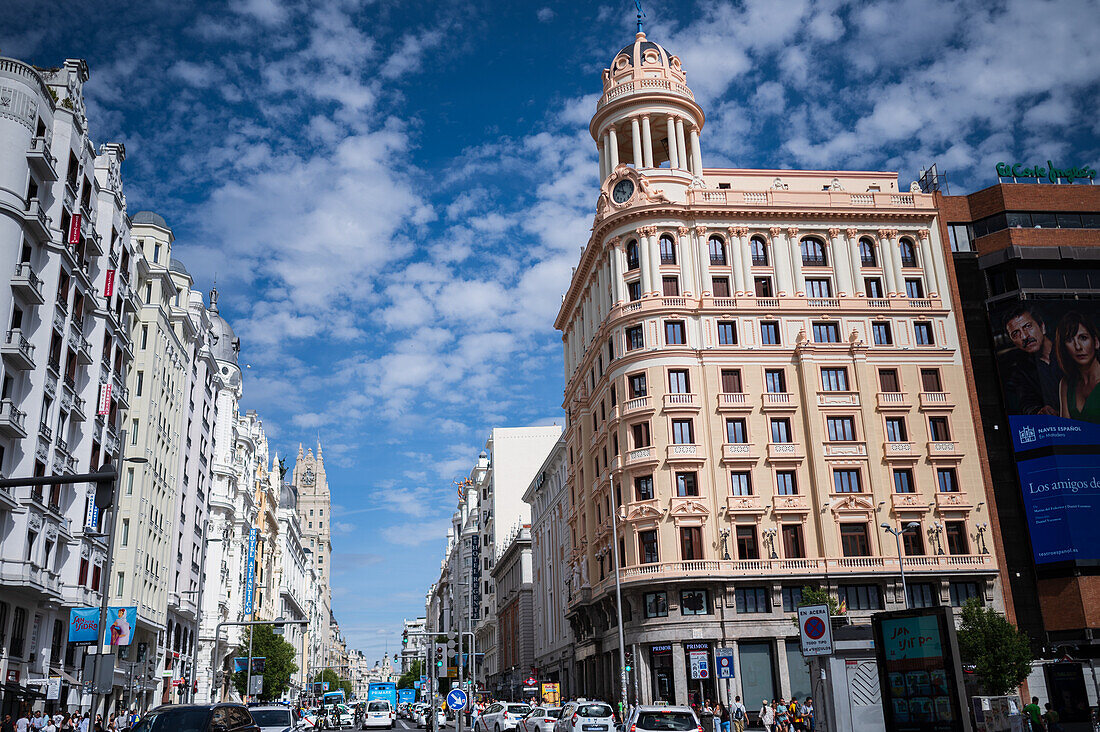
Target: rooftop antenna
641,14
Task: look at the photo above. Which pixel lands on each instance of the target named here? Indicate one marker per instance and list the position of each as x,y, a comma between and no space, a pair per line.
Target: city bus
406,696
383,690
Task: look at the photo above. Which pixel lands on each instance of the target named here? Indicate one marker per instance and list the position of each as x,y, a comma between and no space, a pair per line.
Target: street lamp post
618,602
901,562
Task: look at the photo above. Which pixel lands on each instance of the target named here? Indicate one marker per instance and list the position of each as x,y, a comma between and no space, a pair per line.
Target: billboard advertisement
84,626
1048,361
250,571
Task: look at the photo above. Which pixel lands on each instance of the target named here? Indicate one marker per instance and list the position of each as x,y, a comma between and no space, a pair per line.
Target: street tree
335,683
279,663
1000,652
817,596
410,676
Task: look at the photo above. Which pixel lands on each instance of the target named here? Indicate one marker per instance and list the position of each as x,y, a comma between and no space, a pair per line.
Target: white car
541,719
378,714
586,716
274,718
502,716
663,719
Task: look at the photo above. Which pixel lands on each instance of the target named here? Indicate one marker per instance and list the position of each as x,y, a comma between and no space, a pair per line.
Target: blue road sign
723,661
456,700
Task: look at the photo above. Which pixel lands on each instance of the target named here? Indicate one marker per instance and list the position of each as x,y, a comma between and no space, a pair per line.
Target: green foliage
68,104
1000,652
335,683
817,596
279,666
407,678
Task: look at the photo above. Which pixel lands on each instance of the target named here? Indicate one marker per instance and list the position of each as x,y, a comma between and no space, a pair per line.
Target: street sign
815,630
723,663
700,664
456,700
531,680
256,686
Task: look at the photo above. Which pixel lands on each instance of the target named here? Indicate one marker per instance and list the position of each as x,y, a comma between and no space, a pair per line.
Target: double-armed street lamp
901,561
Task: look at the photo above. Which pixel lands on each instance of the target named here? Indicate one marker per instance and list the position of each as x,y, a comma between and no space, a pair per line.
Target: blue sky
391,194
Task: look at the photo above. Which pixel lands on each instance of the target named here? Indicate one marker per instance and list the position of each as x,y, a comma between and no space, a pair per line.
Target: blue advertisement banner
250,571
1062,502
84,626
1030,432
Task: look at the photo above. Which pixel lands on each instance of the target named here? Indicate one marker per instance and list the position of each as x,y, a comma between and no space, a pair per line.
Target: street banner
104,406
250,571
74,229
84,625
91,519
240,663
551,693
723,663
815,630
109,283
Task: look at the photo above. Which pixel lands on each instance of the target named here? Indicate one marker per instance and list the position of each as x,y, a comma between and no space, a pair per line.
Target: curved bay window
758,250
632,255
813,253
908,252
668,249
867,256
717,251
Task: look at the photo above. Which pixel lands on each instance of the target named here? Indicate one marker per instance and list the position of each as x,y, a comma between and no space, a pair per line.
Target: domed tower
647,117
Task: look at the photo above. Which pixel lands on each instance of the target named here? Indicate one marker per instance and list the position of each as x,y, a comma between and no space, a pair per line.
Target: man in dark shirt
1033,377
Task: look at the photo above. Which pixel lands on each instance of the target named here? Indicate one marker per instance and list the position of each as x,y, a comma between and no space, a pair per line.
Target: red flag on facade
104,399
109,284
74,229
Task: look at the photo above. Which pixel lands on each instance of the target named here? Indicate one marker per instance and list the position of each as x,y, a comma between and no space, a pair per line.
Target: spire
641,14
300,452
214,299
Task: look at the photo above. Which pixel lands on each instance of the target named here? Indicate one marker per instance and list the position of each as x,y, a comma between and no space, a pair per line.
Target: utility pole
618,600
901,560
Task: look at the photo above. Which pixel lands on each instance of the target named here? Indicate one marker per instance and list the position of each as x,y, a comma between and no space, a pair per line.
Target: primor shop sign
1049,171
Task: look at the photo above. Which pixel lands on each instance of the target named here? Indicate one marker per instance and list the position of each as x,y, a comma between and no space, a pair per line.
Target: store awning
69,678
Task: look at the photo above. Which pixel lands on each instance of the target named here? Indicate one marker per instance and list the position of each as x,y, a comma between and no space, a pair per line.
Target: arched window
908,253
668,249
632,255
813,253
867,253
758,248
717,250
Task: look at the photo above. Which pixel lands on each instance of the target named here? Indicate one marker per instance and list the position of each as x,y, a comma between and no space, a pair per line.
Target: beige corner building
762,367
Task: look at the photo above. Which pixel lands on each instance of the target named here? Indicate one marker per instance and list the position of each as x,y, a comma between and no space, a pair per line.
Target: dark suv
197,718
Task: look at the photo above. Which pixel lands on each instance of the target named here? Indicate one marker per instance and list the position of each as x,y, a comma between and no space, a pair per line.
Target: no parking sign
723,662
815,630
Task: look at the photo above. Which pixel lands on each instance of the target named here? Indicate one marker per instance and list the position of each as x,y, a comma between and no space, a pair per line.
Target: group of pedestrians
67,722
784,716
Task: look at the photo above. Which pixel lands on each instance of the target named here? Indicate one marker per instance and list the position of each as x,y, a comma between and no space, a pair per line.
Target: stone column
841,266
733,256
636,141
647,142
796,262
617,289
696,153
655,260
891,266
707,284
613,141
673,157
643,262
745,263
931,276
603,160
853,255
690,265
781,262
681,146
679,674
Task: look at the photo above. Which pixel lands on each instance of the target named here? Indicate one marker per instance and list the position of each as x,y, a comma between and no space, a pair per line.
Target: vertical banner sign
104,406
74,229
109,284
250,571
91,520
475,578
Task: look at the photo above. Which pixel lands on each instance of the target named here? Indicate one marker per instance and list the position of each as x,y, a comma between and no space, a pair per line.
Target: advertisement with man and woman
1048,358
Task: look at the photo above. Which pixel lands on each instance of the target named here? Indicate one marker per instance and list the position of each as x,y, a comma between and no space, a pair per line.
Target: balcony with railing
944,448
81,346
816,199
888,400
739,452
41,159
734,402
681,402
26,283
12,421
637,405
936,400
17,350
685,453
36,221
779,401
904,450
91,236
778,451
641,456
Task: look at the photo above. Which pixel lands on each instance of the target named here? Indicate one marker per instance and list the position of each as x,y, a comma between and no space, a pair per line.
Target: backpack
738,714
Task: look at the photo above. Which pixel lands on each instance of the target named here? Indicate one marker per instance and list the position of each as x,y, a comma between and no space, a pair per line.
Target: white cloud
545,15
416,533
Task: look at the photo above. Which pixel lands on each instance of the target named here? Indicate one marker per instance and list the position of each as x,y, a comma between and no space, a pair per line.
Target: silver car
541,719
502,716
586,716
274,718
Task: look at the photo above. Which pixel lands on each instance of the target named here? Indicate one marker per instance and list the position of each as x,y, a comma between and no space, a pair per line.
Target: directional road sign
456,700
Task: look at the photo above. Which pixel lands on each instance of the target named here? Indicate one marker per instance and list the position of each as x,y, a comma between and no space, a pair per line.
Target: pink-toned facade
762,367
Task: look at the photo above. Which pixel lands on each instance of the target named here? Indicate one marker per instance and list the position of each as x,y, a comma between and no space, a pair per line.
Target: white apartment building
550,502
514,455
146,528
64,237
192,320
416,644
293,578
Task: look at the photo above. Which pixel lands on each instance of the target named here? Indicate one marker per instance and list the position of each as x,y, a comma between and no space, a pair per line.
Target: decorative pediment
639,513
689,508
853,503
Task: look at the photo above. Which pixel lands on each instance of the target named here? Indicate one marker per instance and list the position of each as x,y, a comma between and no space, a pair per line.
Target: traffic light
439,655
405,637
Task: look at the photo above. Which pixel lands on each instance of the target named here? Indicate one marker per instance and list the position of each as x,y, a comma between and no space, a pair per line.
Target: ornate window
717,250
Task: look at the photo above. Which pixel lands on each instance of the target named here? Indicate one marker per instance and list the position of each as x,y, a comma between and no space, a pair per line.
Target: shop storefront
660,665
700,673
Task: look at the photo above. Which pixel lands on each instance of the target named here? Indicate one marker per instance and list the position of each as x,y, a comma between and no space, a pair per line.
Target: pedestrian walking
23,724
807,713
738,715
1052,720
723,717
767,716
7,725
